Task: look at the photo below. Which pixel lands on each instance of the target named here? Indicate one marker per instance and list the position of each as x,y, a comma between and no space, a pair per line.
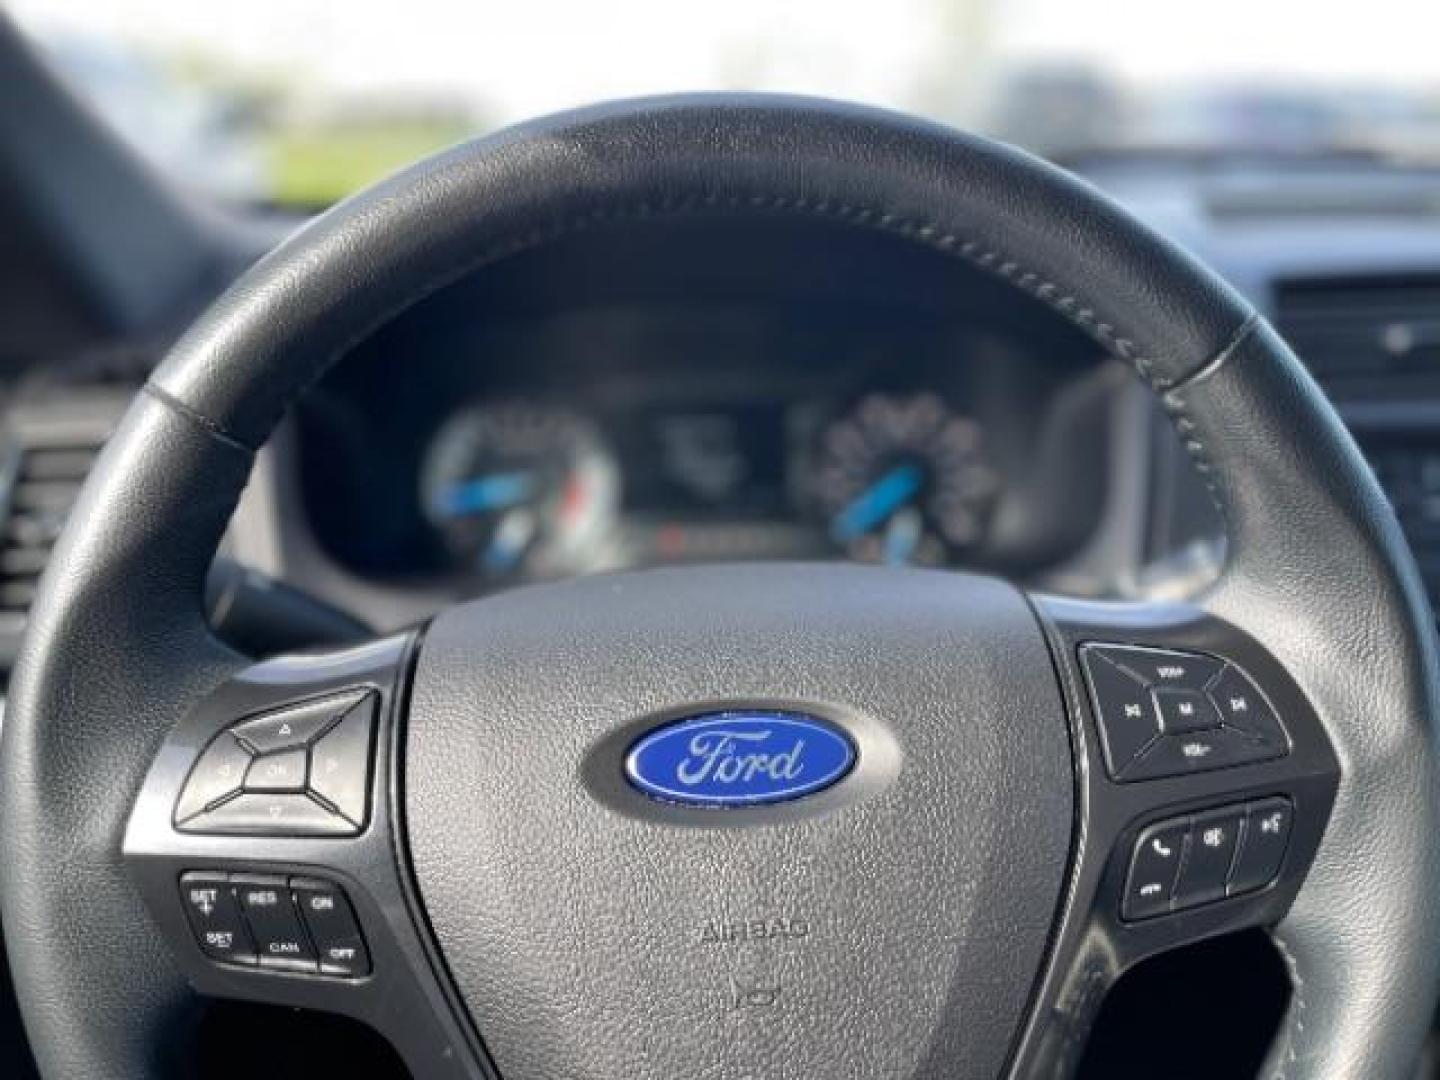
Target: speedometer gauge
902,479
520,491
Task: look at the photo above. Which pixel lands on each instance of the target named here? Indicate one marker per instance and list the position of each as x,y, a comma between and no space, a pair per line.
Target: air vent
50,451
1347,329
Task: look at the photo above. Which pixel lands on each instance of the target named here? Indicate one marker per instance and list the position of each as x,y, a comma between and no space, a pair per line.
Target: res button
279,938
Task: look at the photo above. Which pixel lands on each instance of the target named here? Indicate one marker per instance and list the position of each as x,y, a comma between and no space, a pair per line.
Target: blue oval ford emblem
746,757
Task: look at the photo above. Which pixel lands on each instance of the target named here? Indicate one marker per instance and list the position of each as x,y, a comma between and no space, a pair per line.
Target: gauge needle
902,536
877,502
498,491
509,541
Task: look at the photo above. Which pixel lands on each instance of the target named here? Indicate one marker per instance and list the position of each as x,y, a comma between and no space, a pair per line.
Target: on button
333,927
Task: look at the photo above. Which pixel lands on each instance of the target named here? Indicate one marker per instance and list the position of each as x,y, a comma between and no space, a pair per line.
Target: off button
332,926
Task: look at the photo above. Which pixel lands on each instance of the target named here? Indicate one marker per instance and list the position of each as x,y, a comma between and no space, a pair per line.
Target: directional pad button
299,770
1166,712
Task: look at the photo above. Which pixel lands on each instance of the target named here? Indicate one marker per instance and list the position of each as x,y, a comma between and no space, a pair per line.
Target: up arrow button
295,725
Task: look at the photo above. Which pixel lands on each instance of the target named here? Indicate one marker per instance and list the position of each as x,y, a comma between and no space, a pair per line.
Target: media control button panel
1189,861
296,924
1164,712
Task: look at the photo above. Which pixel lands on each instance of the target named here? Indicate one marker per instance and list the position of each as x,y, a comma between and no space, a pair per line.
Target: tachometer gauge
520,491
902,479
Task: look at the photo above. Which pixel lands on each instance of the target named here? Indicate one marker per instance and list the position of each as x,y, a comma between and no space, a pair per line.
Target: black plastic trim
403,997
1093,946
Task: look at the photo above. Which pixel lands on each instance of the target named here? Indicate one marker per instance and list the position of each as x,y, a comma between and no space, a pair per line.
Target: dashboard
707,392
471,446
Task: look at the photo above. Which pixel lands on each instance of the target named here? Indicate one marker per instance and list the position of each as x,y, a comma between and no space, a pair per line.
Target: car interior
725,584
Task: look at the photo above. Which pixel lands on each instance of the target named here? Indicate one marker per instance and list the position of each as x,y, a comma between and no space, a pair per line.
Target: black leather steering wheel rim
118,651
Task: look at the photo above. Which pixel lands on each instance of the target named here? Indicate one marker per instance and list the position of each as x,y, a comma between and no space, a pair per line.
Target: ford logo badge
745,757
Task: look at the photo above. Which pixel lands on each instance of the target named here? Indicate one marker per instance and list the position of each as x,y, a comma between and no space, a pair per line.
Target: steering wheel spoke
265,844
1206,781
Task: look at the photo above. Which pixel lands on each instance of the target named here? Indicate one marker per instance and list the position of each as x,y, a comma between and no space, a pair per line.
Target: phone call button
1154,866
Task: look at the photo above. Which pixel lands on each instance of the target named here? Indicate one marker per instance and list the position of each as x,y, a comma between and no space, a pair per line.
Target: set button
1164,712
1190,861
215,919
303,770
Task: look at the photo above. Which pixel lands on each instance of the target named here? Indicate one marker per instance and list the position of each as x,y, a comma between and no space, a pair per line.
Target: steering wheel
737,821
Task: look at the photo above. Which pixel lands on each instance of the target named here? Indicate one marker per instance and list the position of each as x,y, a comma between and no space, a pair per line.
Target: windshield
298,102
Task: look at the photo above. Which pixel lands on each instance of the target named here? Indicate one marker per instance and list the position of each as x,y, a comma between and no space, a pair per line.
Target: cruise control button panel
1166,712
1186,862
300,770
304,925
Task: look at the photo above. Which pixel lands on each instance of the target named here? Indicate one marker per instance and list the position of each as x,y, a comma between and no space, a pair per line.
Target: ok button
280,772
1184,711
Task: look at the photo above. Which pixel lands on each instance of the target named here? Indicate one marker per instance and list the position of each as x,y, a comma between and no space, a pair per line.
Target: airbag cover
892,925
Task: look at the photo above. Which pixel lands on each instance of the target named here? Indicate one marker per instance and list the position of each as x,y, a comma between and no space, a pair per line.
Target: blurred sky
520,57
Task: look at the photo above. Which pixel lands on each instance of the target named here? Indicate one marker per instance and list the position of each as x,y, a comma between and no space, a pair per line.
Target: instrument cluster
523,489
604,440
